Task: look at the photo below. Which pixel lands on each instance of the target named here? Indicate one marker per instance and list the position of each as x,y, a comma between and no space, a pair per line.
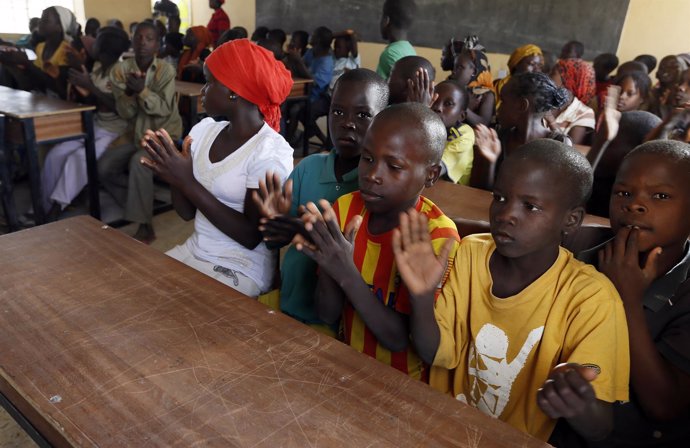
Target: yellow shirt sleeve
458,154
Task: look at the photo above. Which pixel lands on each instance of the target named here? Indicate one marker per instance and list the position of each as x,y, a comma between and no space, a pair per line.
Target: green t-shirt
313,179
391,54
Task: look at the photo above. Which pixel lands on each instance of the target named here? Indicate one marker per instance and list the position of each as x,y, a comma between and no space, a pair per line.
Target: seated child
48,72
634,90
471,70
396,20
298,41
603,64
197,41
358,277
345,54
516,305
214,182
578,77
647,262
527,98
173,42
648,60
608,150
144,91
526,59
359,95
64,169
668,75
574,119
451,106
411,79
681,92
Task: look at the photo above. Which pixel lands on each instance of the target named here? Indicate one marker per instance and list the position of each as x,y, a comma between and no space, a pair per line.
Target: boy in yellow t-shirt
516,305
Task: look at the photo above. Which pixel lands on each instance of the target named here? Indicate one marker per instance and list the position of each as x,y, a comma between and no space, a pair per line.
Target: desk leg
34,171
23,422
6,189
91,166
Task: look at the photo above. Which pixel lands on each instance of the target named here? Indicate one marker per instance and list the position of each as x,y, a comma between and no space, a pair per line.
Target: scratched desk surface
107,342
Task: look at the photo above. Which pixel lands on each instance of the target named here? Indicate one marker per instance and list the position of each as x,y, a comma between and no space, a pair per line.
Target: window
16,13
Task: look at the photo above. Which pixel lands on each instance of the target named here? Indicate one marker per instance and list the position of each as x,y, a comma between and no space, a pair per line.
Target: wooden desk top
20,104
107,342
460,201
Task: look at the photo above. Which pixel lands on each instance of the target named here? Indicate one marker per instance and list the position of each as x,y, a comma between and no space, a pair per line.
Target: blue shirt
321,69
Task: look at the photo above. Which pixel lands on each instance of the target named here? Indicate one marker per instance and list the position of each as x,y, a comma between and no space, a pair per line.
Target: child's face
145,42
630,98
669,70
393,167
353,107
449,104
215,97
49,23
529,210
682,96
513,106
464,69
529,64
653,194
340,48
296,43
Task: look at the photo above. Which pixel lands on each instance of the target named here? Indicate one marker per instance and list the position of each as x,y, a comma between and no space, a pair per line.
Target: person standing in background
219,20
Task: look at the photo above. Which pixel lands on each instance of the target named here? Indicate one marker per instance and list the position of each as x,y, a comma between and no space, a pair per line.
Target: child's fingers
153,150
287,193
545,405
576,388
150,164
263,189
187,146
168,143
620,242
550,393
352,229
632,251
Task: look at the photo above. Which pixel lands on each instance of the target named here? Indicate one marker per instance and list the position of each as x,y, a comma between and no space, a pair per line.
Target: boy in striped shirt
352,241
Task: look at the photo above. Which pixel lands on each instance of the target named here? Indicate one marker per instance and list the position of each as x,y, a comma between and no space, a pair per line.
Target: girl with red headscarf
196,40
221,162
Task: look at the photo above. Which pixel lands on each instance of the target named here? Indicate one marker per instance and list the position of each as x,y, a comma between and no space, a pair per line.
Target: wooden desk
32,119
460,201
190,105
107,342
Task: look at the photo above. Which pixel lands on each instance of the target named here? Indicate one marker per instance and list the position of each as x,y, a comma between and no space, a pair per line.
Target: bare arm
487,106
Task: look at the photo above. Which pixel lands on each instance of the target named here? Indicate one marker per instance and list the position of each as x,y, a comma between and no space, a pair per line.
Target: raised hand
487,142
420,89
420,268
171,165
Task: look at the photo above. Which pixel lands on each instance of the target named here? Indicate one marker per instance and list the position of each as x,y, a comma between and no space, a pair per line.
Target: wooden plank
111,343
460,201
58,126
20,104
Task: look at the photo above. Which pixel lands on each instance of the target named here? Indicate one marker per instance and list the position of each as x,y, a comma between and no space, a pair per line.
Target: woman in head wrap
219,168
526,59
48,72
473,71
577,76
196,40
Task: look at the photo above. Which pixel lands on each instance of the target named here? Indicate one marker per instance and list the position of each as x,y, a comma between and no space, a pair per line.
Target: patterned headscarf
578,77
523,52
481,81
253,73
68,22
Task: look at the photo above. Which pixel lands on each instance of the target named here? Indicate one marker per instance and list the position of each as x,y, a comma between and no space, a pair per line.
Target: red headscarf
578,77
203,40
253,73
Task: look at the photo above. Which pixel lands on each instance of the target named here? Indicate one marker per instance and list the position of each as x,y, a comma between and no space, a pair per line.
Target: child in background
396,20
634,90
359,95
648,60
608,150
197,41
516,305
64,169
173,42
451,105
525,59
577,76
144,91
215,182
472,71
412,79
298,42
219,21
527,98
681,93
574,119
345,54
277,35
603,64
668,75
647,261
352,242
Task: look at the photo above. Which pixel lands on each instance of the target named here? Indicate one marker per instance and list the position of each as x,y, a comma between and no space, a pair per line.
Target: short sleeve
598,336
674,341
198,133
272,154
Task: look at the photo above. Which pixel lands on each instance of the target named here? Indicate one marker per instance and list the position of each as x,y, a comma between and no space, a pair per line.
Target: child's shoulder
583,281
437,219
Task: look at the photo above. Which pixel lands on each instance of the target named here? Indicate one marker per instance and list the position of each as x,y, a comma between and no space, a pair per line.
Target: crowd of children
584,349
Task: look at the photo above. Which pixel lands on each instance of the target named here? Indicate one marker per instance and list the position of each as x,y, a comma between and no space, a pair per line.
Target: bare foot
145,233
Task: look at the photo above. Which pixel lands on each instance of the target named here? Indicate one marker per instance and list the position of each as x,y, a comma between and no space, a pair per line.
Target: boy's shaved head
673,151
423,122
635,125
409,65
568,165
371,79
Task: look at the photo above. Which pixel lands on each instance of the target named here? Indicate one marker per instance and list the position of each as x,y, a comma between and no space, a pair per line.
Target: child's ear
462,116
433,172
524,105
573,220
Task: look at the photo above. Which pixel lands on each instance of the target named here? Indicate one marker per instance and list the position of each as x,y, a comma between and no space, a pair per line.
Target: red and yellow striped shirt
374,258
